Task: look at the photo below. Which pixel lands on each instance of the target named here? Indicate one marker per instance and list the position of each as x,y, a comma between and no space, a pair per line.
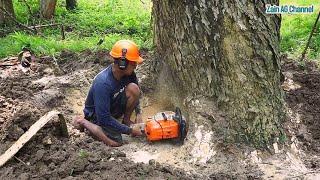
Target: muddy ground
62,82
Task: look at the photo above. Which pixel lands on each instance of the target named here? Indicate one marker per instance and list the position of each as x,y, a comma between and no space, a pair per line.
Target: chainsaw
166,125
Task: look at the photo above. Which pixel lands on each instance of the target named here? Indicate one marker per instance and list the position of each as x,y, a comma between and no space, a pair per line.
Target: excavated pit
62,83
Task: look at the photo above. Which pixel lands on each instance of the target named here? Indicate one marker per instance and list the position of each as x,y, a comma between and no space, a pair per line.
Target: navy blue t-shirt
98,101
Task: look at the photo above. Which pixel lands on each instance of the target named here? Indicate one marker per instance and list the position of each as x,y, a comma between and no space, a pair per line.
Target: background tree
71,4
6,6
47,8
228,50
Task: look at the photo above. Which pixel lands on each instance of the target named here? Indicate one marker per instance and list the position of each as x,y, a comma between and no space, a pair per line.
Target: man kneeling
114,93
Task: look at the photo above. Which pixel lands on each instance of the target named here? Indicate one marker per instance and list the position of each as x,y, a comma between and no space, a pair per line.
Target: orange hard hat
132,51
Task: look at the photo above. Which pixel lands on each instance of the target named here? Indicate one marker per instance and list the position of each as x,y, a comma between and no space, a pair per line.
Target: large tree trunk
228,50
47,8
6,5
71,4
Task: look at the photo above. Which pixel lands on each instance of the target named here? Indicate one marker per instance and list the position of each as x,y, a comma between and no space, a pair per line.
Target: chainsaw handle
164,116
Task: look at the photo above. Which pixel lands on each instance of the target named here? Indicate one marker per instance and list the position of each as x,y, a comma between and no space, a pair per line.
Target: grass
112,20
92,20
83,153
295,30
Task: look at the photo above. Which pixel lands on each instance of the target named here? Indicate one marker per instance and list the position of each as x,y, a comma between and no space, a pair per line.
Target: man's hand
77,123
136,132
139,118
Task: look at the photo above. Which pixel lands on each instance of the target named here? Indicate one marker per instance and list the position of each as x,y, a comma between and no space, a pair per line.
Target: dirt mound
18,87
19,122
82,158
305,100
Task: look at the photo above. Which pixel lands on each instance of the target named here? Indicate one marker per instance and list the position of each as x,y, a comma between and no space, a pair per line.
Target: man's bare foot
77,123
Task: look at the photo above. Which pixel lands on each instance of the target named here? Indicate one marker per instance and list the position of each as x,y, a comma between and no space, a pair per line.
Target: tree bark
71,4
7,5
228,50
47,8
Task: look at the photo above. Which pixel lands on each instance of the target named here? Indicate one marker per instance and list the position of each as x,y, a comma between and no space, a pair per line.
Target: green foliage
83,153
296,28
283,138
119,19
92,20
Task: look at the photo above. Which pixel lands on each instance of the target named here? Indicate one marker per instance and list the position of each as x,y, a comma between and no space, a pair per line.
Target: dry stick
20,160
62,32
142,2
6,65
311,33
44,25
17,22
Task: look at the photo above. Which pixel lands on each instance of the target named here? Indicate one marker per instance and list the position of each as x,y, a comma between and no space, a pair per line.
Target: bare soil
306,100
62,83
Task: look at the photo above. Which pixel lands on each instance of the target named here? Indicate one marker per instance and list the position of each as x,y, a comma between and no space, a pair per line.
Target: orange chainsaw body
162,126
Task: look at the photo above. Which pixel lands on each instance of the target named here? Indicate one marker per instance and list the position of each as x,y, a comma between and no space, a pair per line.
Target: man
114,93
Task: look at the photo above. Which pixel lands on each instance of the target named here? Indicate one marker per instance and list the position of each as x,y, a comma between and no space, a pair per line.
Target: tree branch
309,39
142,2
44,25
